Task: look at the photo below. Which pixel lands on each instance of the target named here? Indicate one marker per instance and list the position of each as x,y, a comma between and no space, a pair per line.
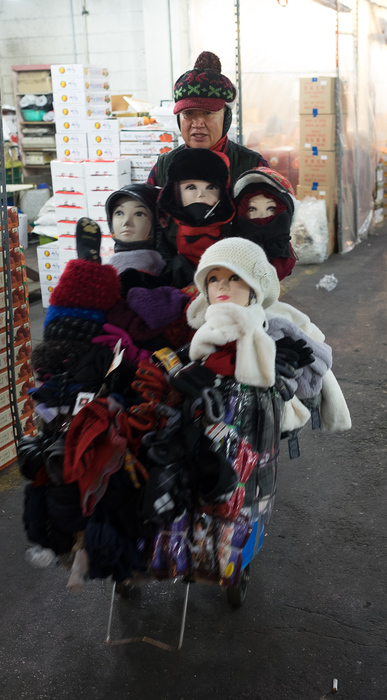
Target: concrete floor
316,607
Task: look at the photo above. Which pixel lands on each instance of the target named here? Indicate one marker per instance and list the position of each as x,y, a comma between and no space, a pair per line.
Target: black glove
282,387
295,353
192,379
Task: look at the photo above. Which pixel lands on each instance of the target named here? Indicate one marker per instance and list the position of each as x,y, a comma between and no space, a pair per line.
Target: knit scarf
223,361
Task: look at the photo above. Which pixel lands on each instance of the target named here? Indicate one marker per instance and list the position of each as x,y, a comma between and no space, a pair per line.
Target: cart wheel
236,595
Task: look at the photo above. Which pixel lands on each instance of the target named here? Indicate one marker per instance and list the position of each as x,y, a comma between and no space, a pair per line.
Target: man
203,102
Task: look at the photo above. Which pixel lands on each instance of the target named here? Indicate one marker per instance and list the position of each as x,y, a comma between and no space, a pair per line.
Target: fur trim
295,415
196,312
279,308
334,412
255,350
149,261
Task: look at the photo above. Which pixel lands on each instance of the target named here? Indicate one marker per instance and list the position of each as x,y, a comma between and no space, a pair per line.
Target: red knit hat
84,284
204,87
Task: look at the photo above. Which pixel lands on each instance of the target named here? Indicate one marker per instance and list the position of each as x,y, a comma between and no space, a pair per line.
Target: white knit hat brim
245,259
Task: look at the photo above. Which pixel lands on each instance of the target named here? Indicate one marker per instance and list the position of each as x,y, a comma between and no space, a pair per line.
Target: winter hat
264,180
204,87
146,194
248,261
196,164
83,284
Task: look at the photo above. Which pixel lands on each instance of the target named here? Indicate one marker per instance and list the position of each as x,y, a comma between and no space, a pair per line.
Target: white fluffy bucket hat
245,259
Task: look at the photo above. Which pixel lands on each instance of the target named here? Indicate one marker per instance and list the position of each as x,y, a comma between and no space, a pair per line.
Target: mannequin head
261,206
194,191
131,220
224,285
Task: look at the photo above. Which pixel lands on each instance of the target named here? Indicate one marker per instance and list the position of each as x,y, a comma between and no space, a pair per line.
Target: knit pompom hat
204,87
264,180
86,285
245,259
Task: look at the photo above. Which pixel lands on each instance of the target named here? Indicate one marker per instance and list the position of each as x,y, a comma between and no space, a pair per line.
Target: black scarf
273,237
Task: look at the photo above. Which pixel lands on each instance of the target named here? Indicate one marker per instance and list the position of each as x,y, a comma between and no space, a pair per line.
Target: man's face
131,221
200,128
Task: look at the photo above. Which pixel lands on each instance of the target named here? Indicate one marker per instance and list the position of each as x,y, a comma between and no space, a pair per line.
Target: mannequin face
194,191
201,128
260,207
223,285
131,221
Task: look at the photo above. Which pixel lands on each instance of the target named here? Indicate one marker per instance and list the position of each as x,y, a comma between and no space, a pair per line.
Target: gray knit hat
245,259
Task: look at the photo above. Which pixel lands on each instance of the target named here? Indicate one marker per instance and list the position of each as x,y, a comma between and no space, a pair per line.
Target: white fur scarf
255,350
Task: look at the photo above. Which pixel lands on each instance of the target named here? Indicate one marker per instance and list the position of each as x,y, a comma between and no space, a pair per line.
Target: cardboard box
65,111
103,126
127,122
48,250
37,158
49,266
143,162
69,185
64,83
100,217
98,140
148,134
70,200
98,112
70,214
50,277
72,152
139,174
71,126
137,148
98,198
115,167
99,99
7,455
107,246
69,140
65,255
67,242
105,152
106,183
318,132
70,98
34,81
318,170
67,169
97,211
77,70
328,194
317,95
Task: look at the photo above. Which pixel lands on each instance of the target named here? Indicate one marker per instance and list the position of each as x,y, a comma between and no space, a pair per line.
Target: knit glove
293,352
150,381
132,353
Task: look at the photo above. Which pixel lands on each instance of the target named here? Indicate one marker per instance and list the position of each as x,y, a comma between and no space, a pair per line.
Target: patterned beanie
204,87
245,259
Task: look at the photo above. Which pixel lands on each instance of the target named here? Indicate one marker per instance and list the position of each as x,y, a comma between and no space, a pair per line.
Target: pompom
208,61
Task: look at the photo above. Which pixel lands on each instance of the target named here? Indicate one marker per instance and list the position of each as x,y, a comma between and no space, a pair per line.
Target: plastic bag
309,232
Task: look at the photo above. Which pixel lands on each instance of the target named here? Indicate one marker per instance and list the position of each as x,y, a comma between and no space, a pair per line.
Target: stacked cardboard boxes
144,144
317,175
22,349
102,178
81,93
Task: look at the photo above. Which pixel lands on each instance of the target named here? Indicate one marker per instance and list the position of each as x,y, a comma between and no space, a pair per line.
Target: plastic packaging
40,557
327,282
309,232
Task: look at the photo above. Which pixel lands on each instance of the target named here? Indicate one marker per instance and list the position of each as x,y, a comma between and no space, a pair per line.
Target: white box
71,126
70,214
98,168
148,134
137,148
66,255
65,185
67,243
139,174
106,183
97,211
48,250
103,152
46,291
98,198
107,245
70,200
76,70
95,83
65,228
144,161
103,126
101,112
50,265
98,140
49,276
65,111
72,152
70,97
99,99
127,122
100,218
67,169
64,83
70,140
105,259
